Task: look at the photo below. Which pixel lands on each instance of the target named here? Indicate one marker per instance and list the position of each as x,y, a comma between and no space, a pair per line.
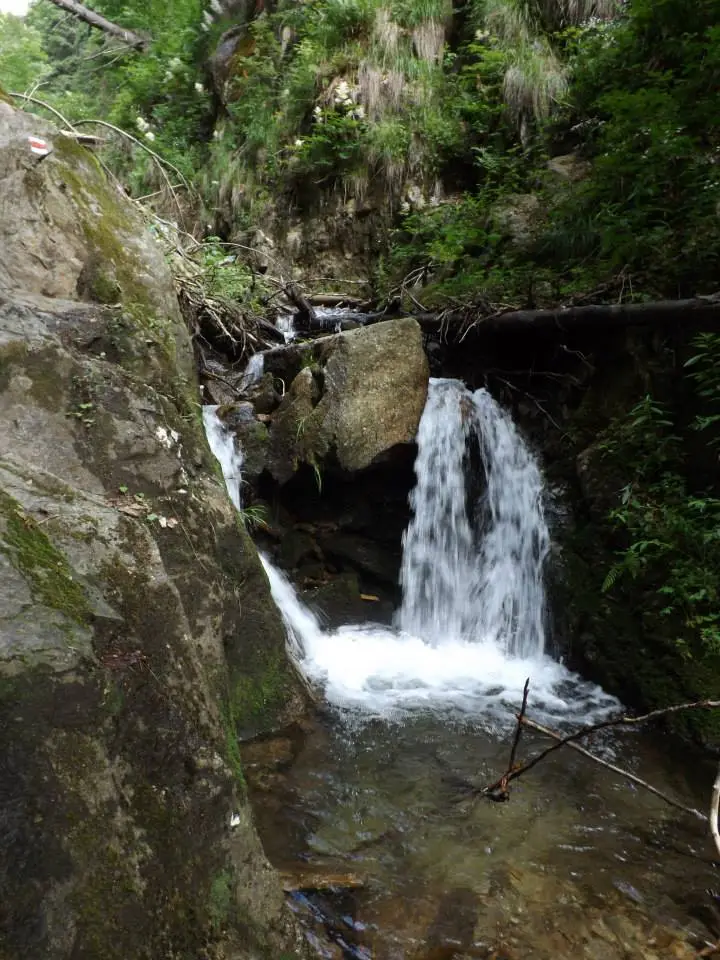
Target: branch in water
570,738
563,741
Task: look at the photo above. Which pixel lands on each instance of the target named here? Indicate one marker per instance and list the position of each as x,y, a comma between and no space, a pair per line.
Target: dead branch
46,106
161,162
132,39
611,766
586,731
518,731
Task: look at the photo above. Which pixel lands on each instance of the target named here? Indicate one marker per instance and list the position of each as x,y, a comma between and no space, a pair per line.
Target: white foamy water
286,325
473,571
226,452
471,626
253,372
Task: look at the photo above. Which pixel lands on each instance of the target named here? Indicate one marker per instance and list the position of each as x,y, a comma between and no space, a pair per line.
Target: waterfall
474,570
226,452
471,625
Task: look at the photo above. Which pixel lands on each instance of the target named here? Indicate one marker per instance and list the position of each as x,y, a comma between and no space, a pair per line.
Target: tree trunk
95,20
659,312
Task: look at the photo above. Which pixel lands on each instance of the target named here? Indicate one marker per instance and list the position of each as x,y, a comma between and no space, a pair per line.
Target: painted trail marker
40,147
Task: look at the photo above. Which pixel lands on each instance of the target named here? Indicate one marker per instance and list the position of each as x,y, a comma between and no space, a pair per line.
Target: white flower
216,6
359,112
299,142
149,135
199,88
142,124
175,63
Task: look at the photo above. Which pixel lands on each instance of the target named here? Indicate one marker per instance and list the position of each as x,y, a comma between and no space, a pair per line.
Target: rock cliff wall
137,635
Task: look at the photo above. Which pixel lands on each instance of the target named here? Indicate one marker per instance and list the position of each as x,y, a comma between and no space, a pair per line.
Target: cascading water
471,625
253,372
474,571
226,452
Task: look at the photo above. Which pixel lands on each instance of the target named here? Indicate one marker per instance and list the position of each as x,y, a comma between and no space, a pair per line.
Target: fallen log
459,325
334,300
319,879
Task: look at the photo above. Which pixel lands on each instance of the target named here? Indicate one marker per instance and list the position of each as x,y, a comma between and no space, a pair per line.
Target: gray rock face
136,629
357,395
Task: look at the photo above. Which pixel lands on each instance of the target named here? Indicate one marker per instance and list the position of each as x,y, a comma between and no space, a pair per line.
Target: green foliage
223,274
671,531
23,61
640,106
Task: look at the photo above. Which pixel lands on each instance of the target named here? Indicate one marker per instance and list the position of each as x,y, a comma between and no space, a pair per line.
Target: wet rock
264,396
368,558
360,396
136,627
297,546
252,437
341,601
600,483
272,754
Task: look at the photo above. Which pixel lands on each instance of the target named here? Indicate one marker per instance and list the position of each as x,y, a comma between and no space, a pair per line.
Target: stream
372,795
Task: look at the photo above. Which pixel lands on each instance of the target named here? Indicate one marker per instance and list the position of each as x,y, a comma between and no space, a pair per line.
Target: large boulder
355,397
137,634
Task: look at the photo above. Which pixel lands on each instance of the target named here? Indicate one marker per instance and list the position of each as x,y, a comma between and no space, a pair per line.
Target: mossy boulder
137,633
355,397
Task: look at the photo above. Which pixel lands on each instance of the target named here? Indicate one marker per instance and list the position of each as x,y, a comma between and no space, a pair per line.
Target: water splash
379,672
226,452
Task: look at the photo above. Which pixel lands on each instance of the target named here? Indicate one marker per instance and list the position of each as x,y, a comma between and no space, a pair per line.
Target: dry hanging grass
534,84
386,33
429,40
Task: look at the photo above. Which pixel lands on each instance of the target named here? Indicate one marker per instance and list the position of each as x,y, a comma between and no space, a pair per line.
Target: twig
619,770
617,721
570,738
138,143
518,729
41,103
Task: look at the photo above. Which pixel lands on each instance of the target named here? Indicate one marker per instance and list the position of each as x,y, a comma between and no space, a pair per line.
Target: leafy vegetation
671,530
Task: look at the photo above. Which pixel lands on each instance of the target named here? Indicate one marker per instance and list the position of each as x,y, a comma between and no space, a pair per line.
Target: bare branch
570,738
46,106
132,39
563,741
518,729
